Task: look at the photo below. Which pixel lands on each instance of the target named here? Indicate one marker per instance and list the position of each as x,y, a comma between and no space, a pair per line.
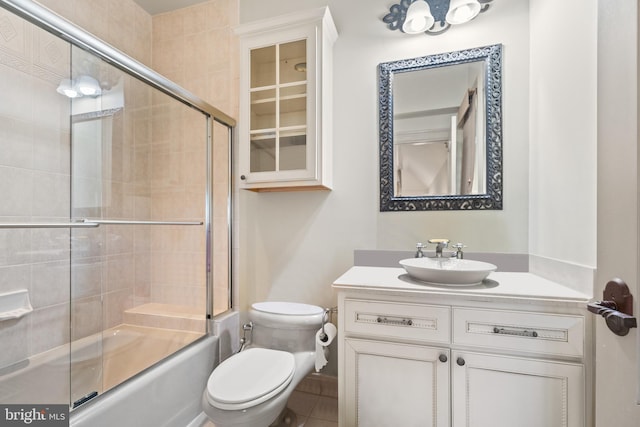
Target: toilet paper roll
322,352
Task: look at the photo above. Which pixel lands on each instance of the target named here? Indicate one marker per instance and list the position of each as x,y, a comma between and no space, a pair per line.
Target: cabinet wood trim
421,322
502,369
356,349
541,333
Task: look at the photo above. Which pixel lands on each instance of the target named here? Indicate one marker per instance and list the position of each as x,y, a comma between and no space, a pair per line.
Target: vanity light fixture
432,16
79,87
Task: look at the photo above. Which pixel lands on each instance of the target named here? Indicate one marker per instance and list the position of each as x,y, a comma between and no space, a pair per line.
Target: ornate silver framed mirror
440,131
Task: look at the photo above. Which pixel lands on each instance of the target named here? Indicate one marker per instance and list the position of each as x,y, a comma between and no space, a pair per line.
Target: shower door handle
134,222
91,223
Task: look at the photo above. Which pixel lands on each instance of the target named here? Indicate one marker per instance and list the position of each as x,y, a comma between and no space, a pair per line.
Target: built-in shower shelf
166,316
14,305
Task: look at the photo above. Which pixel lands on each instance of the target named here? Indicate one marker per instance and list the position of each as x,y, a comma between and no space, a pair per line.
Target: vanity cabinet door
500,391
392,384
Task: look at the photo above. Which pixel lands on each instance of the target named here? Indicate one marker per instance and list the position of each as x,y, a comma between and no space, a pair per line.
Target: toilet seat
249,378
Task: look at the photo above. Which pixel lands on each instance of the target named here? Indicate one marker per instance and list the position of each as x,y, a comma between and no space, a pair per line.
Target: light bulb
462,14
418,19
461,11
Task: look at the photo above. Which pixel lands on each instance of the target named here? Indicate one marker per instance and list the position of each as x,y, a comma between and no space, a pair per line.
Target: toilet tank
286,326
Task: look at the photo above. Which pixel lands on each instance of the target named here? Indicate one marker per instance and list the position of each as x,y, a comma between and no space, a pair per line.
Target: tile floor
315,402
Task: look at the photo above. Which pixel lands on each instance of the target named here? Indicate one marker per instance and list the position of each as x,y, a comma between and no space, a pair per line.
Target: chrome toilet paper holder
327,317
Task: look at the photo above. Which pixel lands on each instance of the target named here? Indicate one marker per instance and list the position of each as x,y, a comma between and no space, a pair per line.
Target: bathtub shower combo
106,215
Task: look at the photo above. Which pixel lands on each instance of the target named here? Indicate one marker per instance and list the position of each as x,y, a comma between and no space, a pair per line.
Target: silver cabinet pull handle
516,332
397,321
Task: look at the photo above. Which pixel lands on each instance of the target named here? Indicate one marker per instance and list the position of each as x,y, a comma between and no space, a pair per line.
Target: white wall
562,187
292,246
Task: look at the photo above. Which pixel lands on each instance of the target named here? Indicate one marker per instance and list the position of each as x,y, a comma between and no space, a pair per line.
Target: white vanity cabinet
442,359
395,384
500,391
285,102
389,382
540,381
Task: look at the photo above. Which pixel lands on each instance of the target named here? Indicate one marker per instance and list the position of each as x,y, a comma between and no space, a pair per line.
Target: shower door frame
64,29
48,21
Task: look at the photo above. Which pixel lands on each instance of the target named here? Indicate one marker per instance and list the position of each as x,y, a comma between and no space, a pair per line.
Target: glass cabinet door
285,102
278,111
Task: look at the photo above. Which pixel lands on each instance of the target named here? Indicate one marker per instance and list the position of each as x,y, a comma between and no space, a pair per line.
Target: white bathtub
50,377
165,395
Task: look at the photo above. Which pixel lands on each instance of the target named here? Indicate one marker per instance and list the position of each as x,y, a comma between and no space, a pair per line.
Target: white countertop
497,285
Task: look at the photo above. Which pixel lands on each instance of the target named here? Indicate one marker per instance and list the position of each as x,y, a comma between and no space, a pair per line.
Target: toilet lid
249,378
290,308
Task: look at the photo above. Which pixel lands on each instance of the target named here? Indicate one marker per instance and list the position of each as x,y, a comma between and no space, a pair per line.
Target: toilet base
287,418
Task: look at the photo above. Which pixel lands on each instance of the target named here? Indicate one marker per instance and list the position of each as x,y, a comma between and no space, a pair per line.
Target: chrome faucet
458,247
441,244
419,248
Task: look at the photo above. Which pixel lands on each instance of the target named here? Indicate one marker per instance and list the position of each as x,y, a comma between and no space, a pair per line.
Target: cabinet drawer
396,320
543,333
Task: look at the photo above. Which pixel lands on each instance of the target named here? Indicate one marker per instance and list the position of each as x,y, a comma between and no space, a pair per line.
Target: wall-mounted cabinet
285,102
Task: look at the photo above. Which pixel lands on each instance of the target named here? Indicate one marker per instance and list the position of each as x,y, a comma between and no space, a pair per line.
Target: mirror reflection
438,134
440,131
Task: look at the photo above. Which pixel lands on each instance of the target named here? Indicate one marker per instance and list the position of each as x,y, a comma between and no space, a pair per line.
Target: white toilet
251,388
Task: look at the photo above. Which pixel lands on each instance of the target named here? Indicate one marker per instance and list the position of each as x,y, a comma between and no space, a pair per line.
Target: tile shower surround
34,183
208,69
34,173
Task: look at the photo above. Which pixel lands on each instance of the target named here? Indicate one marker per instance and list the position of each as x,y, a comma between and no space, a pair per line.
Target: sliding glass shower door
139,170
35,178
106,207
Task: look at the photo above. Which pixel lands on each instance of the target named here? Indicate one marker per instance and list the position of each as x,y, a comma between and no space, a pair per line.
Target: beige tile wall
178,189
148,264
196,48
121,23
34,182
152,176
111,268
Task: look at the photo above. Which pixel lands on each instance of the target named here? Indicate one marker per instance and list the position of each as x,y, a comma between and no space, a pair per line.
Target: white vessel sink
447,271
